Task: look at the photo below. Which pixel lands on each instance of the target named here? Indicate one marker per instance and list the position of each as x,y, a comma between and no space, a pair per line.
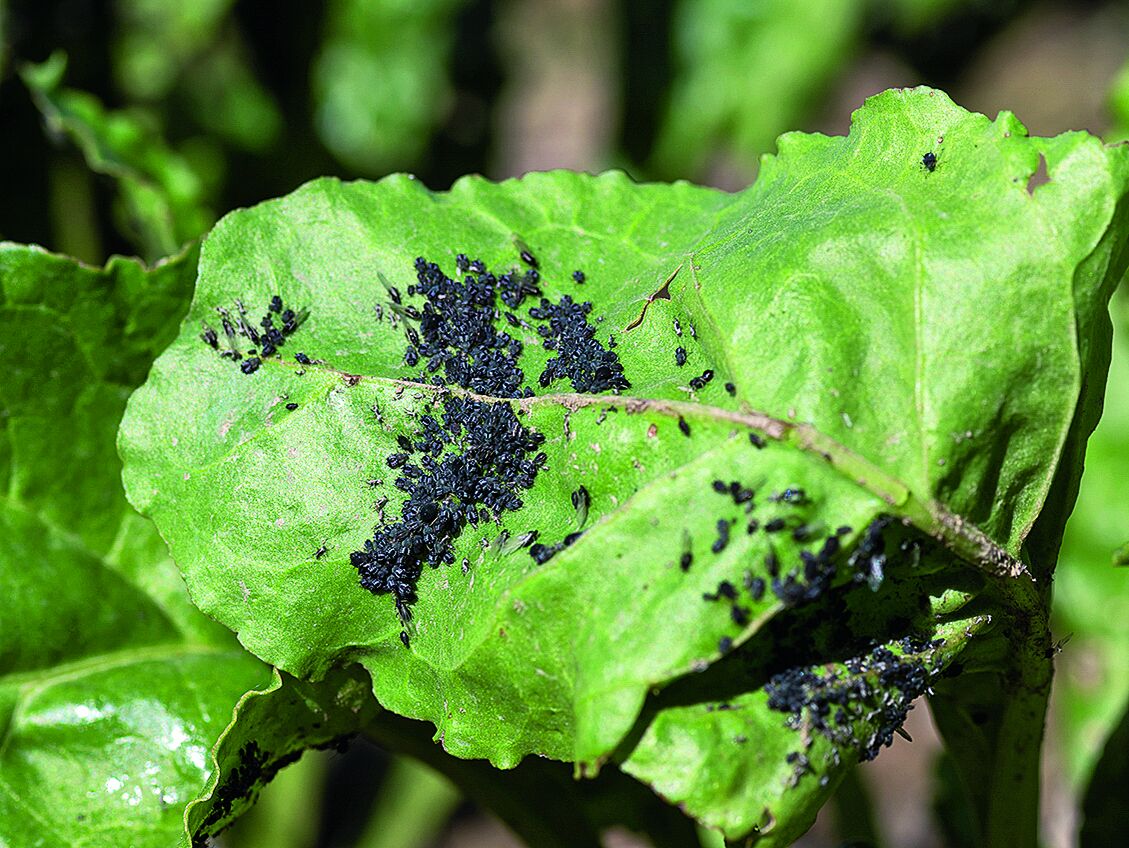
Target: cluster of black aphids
264,339
875,689
470,464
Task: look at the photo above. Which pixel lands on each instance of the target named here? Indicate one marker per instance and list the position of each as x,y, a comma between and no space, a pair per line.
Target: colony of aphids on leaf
468,459
263,340
469,463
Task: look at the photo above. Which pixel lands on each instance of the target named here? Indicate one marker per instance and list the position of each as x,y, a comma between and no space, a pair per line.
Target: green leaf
380,80
857,300
1092,684
1103,808
113,688
1121,555
746,72
161,200
271,727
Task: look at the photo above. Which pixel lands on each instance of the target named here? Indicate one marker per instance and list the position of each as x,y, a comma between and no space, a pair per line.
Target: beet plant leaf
113,687
695,482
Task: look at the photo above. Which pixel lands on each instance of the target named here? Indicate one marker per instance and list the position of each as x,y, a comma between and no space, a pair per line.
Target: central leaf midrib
925,513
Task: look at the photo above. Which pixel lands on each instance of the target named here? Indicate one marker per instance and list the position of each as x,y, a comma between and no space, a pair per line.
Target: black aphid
686,560
529,259
210,338
722,536
541,553
321,551
740,615
394,293
693,332
756,441
771,563
724,645
732,389
757,587
700,382
680,356
720,487
578,277
929,160
404,638
677,328
291,406
397,460
580,501
404,442
775,525
683,426
275,304
250,366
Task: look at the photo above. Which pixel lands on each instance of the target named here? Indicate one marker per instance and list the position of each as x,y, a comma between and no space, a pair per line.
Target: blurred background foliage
129,126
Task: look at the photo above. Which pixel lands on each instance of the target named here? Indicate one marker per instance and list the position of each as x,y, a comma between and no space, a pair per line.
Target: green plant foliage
1119,106
1094,681
851,288
271,727
113,688
194,53
746,72
380,80
1103,809
161,200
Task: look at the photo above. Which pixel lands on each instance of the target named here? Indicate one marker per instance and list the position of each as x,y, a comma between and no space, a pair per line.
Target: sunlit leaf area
452,424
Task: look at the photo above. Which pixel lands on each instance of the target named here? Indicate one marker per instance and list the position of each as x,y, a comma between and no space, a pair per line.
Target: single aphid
275,304
677,328
291,406
680,356
210,337
732,389
321,551
578,277
683,426
404,638
929,161
580,502
250,366
756,441
722,536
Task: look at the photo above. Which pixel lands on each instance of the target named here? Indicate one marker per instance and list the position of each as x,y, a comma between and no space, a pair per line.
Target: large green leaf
920,323
162,203
113,688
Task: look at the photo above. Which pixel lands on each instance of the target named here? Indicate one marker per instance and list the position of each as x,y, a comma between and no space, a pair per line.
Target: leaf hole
1040,177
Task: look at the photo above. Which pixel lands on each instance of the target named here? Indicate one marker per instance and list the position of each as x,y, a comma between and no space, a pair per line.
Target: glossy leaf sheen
850,288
